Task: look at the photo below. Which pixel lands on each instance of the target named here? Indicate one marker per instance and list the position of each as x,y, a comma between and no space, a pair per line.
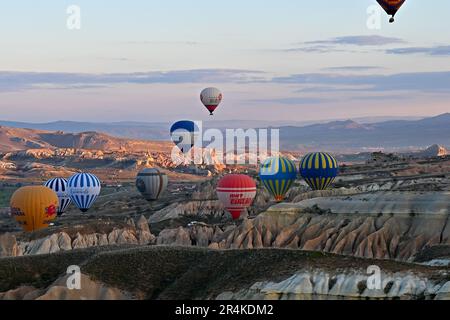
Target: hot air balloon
184,134
151,183
211,98
34,207
319,169
278,174
59,186
236,192
83,189
391,7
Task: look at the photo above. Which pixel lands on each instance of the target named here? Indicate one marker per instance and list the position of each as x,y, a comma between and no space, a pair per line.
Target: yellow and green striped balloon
278,175
319,169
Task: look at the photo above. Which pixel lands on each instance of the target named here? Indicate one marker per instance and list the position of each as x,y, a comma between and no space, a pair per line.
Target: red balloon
236,192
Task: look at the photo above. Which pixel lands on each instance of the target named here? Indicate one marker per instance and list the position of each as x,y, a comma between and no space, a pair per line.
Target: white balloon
83,189
59,185
211,98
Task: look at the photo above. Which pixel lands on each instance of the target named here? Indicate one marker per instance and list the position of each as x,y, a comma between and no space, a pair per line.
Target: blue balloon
83,189
184,134
319,169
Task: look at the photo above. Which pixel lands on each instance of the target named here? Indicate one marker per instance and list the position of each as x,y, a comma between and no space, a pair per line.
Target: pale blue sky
284,59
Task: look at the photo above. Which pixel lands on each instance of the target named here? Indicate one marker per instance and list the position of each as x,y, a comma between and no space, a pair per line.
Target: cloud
370,40
332,88
432,51
145,42
379,98
13,81
343,44
291,100
317,49
317,83
353,68
419,81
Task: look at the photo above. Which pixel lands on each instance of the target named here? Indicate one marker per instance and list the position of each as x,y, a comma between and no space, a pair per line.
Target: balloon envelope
391,6
236,192
278,175
184,134
151,183
319,169
83,189
59,186
34,207
211,98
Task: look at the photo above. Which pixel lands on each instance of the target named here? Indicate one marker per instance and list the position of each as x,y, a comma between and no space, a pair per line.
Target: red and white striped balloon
236,192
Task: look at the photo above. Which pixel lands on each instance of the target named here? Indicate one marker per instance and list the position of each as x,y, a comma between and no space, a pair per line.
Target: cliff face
135,234
89,290
161,272
380,225
322,285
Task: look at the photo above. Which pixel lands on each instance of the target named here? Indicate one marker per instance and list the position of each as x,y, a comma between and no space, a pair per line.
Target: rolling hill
13,139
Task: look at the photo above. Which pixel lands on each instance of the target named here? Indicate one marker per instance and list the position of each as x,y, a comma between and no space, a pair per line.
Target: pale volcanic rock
381,202
84,241
176,237
61,241
444,292
127,237
432,151
17,294
9,246
144,234
50,244
388,235
212,208
202,235
319,284
90,290
7,165
324,193
382,226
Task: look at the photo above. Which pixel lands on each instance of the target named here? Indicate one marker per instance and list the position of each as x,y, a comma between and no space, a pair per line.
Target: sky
277,60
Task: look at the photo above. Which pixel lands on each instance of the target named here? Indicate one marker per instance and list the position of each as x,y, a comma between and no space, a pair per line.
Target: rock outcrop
433,151
8,245
89,290
397,203
62,241
389,228
378,225
194,209
321,285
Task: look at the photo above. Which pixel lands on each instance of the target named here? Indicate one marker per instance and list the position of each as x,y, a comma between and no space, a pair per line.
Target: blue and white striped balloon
83,189
59,185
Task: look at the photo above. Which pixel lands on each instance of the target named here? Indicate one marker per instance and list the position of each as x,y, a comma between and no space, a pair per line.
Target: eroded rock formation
322,285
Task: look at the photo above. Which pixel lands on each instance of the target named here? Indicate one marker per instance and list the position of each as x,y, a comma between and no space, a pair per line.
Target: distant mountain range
351,135
347,135
159,130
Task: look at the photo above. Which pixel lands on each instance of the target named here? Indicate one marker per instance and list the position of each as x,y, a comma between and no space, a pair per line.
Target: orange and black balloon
391,7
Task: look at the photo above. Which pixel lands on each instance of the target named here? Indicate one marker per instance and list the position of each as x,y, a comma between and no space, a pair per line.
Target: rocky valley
391,214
